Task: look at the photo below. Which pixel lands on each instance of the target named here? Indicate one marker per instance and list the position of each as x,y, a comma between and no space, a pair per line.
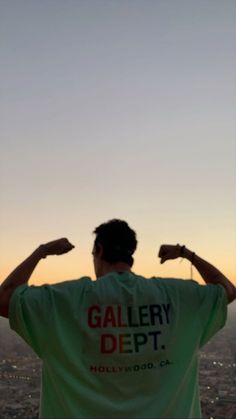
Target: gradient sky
118,109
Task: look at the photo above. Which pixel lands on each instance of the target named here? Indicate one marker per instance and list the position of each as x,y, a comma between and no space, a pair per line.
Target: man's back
119,344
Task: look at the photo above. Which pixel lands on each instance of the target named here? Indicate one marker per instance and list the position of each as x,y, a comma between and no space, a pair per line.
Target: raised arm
23,272
208,272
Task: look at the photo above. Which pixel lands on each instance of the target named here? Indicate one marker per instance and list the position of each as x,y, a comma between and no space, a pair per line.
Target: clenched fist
56,247
169,251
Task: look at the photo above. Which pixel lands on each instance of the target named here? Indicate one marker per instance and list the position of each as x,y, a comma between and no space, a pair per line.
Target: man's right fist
56,247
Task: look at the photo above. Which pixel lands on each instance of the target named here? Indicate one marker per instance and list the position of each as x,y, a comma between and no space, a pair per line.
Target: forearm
19,276
210,274
23,272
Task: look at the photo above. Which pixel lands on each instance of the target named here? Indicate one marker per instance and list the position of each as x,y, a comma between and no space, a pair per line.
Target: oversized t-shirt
121,346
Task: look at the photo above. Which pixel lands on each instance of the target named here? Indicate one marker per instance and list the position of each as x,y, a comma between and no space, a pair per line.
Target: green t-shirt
121,346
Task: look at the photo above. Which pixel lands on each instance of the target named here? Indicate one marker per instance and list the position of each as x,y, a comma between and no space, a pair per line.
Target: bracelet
181,254
192,257
191,267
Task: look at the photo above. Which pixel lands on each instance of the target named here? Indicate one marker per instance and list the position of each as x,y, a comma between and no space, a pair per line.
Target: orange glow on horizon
56,270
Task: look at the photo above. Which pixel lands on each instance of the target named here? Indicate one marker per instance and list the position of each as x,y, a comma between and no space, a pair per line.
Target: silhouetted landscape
20,374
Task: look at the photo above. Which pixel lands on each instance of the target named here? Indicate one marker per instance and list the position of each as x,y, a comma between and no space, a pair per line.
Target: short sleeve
29,312
212,310
205,303
38,313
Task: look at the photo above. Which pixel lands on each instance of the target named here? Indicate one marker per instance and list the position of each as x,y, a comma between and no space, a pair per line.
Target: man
121,346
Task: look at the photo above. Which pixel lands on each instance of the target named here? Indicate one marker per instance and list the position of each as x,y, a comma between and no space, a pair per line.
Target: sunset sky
118,109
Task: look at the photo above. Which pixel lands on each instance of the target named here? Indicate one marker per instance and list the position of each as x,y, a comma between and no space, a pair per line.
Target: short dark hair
118,241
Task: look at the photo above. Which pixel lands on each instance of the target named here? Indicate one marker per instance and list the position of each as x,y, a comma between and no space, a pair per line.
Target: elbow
231,294
4,308
4,311
5,296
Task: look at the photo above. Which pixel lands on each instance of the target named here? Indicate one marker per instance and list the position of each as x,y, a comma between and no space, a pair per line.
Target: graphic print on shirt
129,329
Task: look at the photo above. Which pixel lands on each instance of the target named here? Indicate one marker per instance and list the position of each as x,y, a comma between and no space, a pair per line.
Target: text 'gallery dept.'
128,316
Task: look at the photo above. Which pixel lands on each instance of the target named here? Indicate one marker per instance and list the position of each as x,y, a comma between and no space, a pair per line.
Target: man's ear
99,250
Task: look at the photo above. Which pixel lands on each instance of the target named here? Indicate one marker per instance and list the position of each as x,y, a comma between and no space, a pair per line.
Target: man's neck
115,267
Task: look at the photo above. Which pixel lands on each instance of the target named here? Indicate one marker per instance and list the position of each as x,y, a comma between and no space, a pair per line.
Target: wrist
185,253
40,252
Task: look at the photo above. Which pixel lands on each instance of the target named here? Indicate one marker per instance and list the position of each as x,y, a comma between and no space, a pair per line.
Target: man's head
114,245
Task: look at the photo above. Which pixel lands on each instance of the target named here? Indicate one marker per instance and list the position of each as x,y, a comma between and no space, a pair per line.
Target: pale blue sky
118,109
